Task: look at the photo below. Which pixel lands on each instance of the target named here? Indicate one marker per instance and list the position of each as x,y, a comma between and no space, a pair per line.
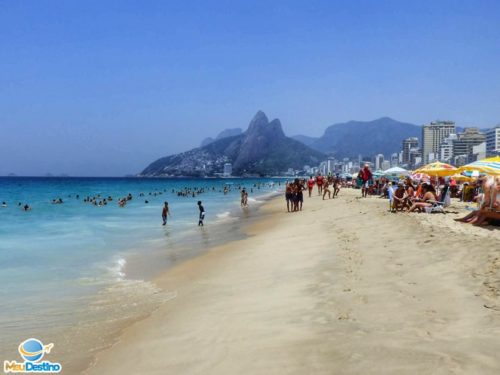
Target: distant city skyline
103,88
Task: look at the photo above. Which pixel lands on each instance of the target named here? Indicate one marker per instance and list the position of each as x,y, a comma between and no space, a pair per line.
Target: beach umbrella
489,166
461,177
420,177
396,171
438,169
378,173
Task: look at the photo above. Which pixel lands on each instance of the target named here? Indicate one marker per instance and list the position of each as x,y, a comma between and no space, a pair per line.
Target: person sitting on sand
399,198
490,201
429,194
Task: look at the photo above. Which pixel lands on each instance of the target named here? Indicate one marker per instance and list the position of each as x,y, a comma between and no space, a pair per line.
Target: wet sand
343,287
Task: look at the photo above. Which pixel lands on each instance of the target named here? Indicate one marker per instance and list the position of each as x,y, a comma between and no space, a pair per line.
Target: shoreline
137,290
318,299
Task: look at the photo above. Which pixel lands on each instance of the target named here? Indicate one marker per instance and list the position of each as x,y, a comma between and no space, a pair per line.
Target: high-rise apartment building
409,144
493,141
433,135
446,148
465,141
378,161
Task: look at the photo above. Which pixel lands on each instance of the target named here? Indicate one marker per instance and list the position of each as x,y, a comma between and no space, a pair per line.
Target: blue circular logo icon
32,350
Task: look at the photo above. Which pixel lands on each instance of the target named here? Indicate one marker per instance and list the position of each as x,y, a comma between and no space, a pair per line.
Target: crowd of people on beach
406,194
326,185
434,194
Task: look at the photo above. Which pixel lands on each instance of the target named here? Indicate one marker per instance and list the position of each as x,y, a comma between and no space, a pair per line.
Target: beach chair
444,201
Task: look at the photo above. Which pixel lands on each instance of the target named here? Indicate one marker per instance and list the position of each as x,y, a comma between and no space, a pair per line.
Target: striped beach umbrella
489,166
438,169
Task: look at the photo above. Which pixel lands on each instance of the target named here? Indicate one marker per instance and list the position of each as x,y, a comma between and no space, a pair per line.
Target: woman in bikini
429,195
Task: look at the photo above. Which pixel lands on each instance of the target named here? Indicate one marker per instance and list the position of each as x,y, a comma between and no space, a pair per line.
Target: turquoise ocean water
79,270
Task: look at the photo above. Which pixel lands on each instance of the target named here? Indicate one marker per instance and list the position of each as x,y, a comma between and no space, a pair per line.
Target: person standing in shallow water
165,213
202,214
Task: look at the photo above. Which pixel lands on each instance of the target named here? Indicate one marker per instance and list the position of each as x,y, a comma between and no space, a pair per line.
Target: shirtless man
326,190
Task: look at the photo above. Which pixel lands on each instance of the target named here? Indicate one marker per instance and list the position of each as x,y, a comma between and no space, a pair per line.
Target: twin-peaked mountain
262,149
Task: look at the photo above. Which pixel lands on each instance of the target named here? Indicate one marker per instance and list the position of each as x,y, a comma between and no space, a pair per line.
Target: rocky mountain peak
258,123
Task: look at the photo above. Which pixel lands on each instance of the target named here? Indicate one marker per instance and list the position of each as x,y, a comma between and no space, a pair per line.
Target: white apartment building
433,135
493,141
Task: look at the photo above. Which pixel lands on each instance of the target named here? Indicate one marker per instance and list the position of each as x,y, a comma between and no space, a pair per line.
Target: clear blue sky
105,87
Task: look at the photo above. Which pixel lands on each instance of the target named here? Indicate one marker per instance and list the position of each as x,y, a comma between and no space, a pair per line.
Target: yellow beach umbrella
489,166
437,169
461,177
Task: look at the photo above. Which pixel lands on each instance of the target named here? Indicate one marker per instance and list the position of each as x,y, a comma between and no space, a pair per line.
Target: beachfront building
394,159
446,148
386,164
478,152
409,145
433,135
330,165
228,169
378,161
493,141
462,146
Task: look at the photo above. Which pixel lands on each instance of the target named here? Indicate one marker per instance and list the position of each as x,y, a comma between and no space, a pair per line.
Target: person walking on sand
319,182
366,177
202,214
326,189
310,185
165,213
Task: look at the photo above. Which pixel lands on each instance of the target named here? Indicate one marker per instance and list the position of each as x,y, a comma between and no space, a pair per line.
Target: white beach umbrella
396,171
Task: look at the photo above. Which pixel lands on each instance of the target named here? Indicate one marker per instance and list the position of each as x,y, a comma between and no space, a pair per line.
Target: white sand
343,287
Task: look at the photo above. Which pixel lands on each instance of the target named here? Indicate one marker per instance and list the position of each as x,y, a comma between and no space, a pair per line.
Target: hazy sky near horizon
96,88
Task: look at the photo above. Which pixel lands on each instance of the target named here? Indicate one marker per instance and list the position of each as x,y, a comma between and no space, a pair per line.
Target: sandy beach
344,287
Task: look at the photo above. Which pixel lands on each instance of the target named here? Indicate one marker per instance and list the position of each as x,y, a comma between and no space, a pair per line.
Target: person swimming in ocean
202,214
165,213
